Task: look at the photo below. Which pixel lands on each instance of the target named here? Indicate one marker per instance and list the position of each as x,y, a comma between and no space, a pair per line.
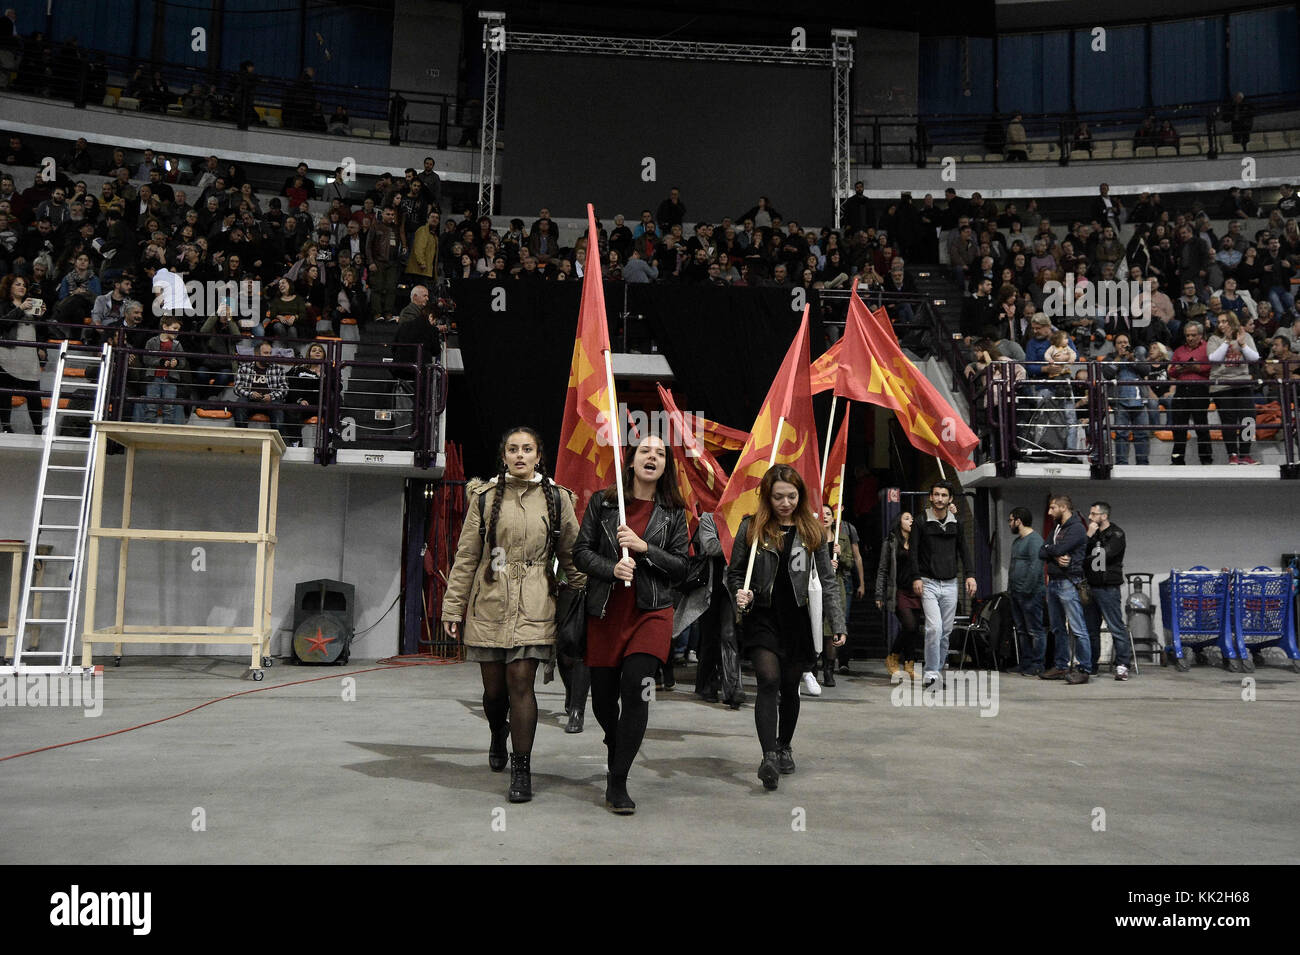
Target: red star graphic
317,643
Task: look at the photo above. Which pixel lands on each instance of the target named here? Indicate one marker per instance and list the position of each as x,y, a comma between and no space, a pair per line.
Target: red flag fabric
585,460
825,369
700,478
832,480
716,437
875,370
790,396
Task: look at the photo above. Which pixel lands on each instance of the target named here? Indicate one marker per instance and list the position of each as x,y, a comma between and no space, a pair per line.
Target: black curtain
724,345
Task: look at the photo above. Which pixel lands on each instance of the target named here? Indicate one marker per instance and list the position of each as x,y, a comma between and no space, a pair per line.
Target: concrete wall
1178,524
426,56
332,524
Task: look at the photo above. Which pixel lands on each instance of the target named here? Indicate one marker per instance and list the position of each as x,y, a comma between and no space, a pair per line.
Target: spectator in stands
20,367
81,276
165,374
543,242
1191,374
672,211
1230,350
855,211
1276,271
422,264
287,314
1129,400
962,253
1017,140
1147,134
1108,209
1168,136
352,300
1242,117
108,307
639,271
261,382
1082,138
18,153
382,252
979,313
10,50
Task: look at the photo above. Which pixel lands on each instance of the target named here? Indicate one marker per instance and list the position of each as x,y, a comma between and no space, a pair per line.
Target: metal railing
913,138
410,387
1077,418
220,96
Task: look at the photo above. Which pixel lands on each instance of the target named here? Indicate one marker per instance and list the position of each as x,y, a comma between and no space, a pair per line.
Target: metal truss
842,51
667,49
493,48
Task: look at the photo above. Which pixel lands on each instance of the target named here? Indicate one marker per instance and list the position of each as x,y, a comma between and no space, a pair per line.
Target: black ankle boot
828,672
575,721
617,800
769,771
521,778
497,749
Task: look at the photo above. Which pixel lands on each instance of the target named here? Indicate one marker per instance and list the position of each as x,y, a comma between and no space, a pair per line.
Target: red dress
625,628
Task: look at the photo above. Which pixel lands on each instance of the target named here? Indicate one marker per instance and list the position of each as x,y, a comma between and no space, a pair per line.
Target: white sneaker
931,677
692,657
1121,672
811,686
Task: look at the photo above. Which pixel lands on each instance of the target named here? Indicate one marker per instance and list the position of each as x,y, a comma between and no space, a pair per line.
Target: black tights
508,691
632,684
909,624
775,678
33,401
577,682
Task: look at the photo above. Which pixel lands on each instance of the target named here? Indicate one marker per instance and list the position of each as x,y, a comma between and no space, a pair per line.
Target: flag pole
771,462
839,515
830,431
616,437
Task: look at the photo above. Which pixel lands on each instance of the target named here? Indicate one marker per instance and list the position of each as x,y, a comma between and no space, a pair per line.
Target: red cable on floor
261,689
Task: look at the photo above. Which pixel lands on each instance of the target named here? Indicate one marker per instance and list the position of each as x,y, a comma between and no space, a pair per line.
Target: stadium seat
1189,146
128,102
1080,154
175,109
1255,145
361,131
1293,138
1123,149
63,402
1166,150
1103,149
110,99
272,120
17,401
1038,152
1275,140
382,132
972,157
1145,152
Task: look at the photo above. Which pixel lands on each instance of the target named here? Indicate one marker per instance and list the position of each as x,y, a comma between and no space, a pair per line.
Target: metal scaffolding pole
494,45
842,50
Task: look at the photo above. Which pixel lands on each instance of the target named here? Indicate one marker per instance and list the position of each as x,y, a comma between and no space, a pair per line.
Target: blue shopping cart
1199,602
1263,615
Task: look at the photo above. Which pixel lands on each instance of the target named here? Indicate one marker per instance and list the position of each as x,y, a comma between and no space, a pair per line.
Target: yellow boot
908,668
891,663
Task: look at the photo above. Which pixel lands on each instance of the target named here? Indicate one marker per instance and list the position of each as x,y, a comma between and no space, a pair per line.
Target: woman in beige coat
502,589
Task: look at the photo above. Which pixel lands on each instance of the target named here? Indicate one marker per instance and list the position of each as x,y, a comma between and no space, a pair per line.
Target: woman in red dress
629,627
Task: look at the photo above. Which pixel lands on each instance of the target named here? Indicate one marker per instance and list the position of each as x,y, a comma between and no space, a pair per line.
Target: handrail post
1102,454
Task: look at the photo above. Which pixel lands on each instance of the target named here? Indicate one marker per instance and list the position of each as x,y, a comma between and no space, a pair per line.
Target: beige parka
516,609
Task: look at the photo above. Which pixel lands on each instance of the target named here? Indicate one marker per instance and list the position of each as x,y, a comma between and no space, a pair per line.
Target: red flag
700,478
825,369
832,480
875,370
585,461
790,397
716,437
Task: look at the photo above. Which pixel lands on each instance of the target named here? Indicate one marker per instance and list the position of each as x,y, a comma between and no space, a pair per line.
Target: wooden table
268,448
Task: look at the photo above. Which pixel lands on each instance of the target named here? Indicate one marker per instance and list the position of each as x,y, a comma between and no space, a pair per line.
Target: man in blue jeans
1105,573
940,545
1025,584
1064,556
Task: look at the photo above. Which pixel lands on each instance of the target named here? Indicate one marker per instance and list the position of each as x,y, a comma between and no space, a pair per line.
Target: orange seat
17,401
260,417
214,414
63,402
347,321
1165,435
327,338
312,420
74,372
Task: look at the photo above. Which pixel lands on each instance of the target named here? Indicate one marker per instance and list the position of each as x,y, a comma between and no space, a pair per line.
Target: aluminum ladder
61,513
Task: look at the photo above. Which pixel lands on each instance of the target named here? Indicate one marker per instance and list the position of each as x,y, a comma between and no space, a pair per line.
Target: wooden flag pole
839,515
617,441
830,431
771,462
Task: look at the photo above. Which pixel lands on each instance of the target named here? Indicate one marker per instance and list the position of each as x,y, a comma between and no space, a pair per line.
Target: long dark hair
552,505
763,524
667,493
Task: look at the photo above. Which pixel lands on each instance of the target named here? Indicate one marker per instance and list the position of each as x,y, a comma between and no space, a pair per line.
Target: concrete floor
1184,769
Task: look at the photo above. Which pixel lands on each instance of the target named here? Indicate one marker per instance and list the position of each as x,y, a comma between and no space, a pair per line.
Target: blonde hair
1060,339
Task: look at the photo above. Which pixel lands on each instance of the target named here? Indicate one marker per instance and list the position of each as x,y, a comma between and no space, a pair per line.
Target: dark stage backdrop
577,129
724,344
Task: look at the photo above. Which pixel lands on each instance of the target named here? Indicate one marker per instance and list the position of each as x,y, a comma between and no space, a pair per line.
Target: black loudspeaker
323,621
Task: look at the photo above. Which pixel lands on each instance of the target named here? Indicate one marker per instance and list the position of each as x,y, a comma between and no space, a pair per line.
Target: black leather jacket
658,570
765,567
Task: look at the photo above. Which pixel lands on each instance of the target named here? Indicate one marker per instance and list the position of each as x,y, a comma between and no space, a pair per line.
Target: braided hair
552,505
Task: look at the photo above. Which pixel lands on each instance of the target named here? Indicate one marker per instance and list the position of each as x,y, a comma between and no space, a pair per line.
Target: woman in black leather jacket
629,628
777,629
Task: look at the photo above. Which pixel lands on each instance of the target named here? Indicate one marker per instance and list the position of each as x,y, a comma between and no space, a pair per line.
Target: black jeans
1235,405
1191,405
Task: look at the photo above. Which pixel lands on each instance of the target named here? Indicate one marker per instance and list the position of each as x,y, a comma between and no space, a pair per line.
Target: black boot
575,721
769,770
521,778
617,800
497,749
828,671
